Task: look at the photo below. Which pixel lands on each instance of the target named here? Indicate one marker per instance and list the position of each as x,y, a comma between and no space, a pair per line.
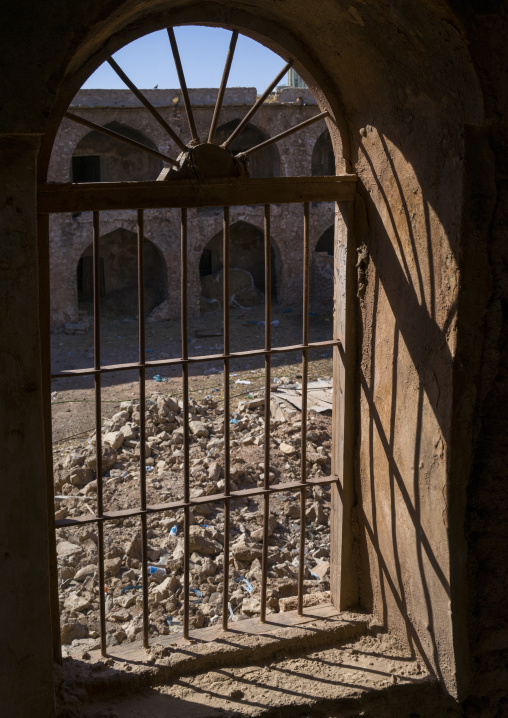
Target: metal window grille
233,189
184,361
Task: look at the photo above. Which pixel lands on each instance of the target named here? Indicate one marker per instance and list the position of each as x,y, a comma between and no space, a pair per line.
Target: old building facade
80,154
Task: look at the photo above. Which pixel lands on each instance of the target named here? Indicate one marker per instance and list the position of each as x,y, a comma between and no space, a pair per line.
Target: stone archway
99,158
247,267
322,271
323,158
265,163
118,275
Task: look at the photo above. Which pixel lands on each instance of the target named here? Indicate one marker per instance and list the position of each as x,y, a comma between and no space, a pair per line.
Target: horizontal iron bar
68,197
196,359
213,498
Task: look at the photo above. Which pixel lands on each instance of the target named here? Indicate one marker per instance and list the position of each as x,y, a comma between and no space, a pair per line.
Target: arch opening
247,268
99,158
264,163
322,271
118,275
323,157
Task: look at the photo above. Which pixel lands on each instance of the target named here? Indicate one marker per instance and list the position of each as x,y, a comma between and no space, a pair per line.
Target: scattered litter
249,396
156,569
149,468
231,612
130,588
248,586
158,377
124,474
174,530
234,421
242,381
275,323
197,593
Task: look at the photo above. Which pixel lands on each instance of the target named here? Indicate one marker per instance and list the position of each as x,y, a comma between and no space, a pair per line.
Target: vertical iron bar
185,398
44,335
227,463
268,346
305,374
98,424
183,85
222,88
142,422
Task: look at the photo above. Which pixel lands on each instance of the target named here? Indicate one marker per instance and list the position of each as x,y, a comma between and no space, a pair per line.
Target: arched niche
118,267
246,253
265,163
323,158
321,282
99,158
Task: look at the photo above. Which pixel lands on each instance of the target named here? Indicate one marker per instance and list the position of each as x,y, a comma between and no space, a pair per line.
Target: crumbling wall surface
401,79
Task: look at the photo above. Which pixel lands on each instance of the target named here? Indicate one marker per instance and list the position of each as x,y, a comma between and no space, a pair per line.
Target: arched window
206,169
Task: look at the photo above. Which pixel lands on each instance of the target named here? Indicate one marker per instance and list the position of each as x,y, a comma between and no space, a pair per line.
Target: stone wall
71,235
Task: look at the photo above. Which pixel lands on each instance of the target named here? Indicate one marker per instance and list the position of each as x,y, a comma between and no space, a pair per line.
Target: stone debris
76,485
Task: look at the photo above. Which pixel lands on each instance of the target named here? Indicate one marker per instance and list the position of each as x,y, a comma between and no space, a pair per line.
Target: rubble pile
76,493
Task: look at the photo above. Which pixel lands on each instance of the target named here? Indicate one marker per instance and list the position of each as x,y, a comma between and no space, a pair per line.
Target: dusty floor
371,677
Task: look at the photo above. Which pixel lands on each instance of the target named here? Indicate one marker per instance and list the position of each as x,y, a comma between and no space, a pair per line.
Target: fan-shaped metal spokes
132,87
183,86
280,136
205,154
257,105
222,88
121,138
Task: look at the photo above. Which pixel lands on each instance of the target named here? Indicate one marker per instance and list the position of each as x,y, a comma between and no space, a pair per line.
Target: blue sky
149,62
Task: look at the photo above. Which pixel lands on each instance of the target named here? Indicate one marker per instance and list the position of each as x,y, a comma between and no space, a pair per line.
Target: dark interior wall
429,69
119,162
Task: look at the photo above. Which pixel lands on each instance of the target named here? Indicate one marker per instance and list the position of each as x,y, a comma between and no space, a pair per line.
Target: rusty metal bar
197,359
98,423
213,498
44,337
305,377
183,85
227,457
67,197
281,135
222,88
257,105
185,399
121,138
151,109
142,423
268,344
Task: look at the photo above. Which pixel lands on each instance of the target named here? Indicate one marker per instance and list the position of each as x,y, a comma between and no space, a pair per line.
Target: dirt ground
73,406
